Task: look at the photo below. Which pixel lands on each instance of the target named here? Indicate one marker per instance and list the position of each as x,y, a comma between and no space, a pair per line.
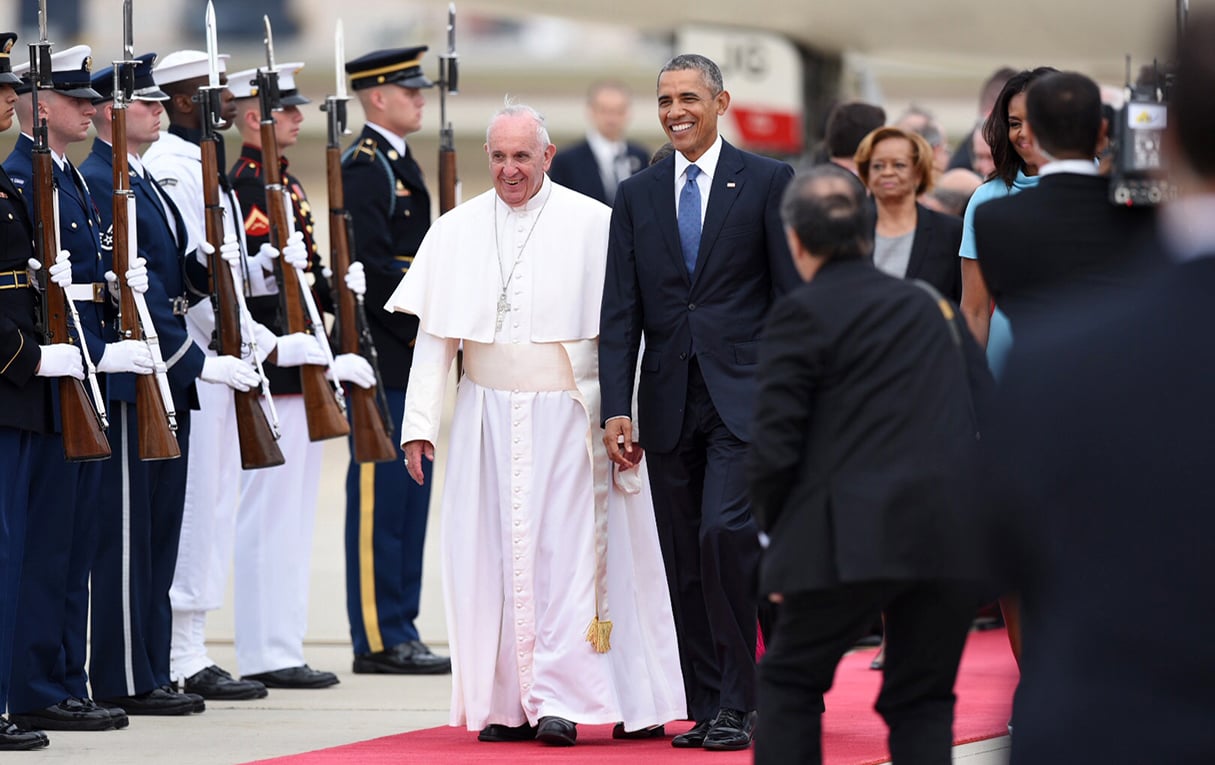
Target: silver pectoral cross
503,309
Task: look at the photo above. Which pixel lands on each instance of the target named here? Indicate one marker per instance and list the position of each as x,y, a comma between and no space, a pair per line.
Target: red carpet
853,734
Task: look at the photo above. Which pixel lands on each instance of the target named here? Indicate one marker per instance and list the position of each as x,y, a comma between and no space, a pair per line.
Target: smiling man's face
688,111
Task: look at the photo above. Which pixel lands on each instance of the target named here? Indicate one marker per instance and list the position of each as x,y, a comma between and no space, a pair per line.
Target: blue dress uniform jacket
49,643
386,510
141,505
386,195
162,244
249,186
23,399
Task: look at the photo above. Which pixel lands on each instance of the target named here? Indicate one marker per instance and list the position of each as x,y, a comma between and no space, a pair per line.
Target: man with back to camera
864,422
1062,239
847,126
695,258
597,165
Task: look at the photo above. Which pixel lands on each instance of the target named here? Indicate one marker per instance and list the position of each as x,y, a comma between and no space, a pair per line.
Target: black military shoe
412,658
16,738
215,683
155,702
69,714
294,677
200,704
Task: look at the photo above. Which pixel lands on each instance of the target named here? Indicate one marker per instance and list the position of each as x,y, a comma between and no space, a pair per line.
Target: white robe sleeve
432,358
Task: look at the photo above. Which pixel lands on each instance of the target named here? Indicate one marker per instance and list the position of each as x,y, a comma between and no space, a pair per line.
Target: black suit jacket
864,418
1048,245
717,313
1100,460
577,169
388,202
934,252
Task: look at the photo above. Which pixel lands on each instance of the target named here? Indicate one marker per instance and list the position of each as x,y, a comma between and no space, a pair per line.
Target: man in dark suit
697,279
596,166
1101,459
386,510
864,420
1052,243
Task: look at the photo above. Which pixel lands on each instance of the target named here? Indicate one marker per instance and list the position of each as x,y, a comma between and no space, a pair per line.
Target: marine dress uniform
385,509
141,504
274,524
23,406
49,684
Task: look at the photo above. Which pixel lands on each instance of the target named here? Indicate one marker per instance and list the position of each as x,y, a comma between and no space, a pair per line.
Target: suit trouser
710,546
926,627
204,553
15,447
274,548
140,522
386,515
50,637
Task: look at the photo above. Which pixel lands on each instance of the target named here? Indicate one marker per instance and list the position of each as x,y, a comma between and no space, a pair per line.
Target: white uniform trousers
204,552
274,548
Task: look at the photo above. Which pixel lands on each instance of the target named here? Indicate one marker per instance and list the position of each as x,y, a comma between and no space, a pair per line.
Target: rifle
449,80
372,422
83,421
258,448
324,405
153,399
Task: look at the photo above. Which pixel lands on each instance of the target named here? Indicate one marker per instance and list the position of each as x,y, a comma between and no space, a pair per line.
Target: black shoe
731,730
694,738
69,714
294,677
16,738
155,702
412,658
216,683
499,733
657,731
556,731
200,704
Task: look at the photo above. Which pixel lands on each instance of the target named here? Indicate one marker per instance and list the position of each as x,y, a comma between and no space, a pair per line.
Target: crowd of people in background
708,402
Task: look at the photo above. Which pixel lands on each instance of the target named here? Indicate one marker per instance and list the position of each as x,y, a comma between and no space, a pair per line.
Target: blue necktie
689,218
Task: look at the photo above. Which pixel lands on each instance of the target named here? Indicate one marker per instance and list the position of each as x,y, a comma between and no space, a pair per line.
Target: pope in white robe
542,548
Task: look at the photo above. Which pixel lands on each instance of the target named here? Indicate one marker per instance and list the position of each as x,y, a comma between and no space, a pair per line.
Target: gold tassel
599,634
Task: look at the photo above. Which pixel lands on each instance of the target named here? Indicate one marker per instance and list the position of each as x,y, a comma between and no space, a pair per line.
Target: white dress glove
264,259
294,252
229,251
60,273
356,279
137,278
126,356
231,371
297,349
351,367
61,360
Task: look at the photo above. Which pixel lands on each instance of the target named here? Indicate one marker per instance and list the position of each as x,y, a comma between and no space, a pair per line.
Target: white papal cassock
524,569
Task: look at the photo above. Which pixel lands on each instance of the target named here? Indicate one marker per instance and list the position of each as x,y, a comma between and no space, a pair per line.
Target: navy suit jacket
162,244
716,314
79,233
576,168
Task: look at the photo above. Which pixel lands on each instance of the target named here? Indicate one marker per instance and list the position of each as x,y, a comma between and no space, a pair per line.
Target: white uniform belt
532,367
87,293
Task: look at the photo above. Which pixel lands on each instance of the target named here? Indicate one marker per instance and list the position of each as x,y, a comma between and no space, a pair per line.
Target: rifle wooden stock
447,178
84,437
372,442
157,441
258,448
325,418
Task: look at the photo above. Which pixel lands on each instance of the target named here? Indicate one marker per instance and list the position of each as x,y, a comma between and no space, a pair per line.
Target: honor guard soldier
49,685
385,509
213,474
142,502
278,505
24,399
